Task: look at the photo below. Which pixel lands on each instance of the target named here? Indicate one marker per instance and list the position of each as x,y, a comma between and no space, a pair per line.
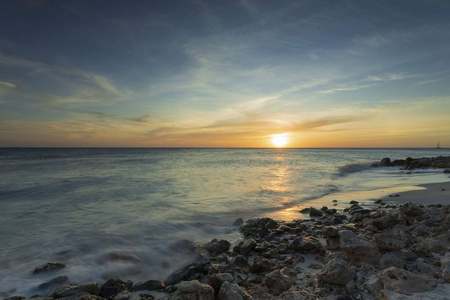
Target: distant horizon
276,148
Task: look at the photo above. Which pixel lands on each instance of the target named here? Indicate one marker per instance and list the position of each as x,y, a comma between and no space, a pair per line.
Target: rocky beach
397,247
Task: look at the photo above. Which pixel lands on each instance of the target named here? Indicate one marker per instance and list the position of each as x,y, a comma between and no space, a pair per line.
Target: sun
279,140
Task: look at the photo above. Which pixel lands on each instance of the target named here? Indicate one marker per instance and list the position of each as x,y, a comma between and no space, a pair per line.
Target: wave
354,168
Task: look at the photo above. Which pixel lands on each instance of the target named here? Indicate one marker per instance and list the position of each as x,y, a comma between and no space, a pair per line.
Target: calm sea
115,212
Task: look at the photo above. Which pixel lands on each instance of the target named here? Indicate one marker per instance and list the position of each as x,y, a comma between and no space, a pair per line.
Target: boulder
445,265
91,288
216,281
232,291
336,271
114,287
314,212
216,246
193,290
247,246
82,296
277,282
187,272
390,241
358,249
385,162
405,282
241,263
49,267
53,283
393,259
260,265
307,244
149,285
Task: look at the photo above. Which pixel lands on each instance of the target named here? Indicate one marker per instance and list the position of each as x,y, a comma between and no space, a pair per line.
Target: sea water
115,213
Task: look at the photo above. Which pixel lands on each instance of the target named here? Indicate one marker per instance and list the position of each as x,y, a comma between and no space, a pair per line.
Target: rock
261,265
216,281
385,162
238,222
183,246
193,290
277,282
314,212
358,249
391,240
445,265
344,297
393,259
54,282
49,267
306,245
354,202
247,246
271,253
405,282
373,285
113,287
91,288
16,298
231,291
336,271
215,246
124,295
446,171
441,292
241,263
187,272
82,296
149,285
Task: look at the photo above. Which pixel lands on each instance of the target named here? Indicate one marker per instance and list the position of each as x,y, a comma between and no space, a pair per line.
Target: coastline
432,193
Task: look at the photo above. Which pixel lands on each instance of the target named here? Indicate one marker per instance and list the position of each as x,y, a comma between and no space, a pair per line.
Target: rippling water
115,212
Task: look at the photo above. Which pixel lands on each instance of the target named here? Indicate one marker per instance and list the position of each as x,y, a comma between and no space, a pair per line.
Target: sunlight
279,140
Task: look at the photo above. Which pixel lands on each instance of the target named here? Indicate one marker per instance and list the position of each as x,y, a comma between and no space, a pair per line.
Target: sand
433,193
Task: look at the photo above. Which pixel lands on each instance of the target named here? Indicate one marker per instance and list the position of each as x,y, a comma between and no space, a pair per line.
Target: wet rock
193,290
187,272
216,246
114,287
277,282
445,266
271,253
358,249
247,246
385,162
54,282
49,267
306,245
15,298
261,265
183,246
336,271
230,291
373,285
149,285
314,212
82,296
238,222
241,263
216,281
405,282
91,288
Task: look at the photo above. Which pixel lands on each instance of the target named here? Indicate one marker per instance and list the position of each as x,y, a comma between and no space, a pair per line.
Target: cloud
141,119
7,85
70,85
345,88
390,77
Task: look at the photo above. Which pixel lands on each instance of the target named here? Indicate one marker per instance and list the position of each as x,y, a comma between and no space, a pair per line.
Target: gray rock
124,295
261,265
49,267
306,245
54,282
445,265
358,249
441,292
216,281
391,240
247,246
113,287
230,291
385,162
373,285
277,282
405,282
393,259
336,271
238,222
216,246
149,285
241,263
187,272
193,290
82,296
314,212
91,288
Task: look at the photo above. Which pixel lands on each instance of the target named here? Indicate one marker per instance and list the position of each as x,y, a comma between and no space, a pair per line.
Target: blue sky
224,73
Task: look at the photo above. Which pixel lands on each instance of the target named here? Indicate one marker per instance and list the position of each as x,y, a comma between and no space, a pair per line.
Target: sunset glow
279,140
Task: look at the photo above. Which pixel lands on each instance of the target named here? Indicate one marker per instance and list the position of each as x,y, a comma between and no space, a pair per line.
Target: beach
344,245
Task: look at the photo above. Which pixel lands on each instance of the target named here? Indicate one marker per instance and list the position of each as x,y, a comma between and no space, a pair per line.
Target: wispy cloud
346,88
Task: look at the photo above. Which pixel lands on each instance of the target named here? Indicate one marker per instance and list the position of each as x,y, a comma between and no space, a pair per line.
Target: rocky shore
417,163
387,251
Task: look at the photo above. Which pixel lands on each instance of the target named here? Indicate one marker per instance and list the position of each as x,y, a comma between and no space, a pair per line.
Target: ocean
116,213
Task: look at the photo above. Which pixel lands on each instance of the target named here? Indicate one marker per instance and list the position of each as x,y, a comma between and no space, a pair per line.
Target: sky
157,73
